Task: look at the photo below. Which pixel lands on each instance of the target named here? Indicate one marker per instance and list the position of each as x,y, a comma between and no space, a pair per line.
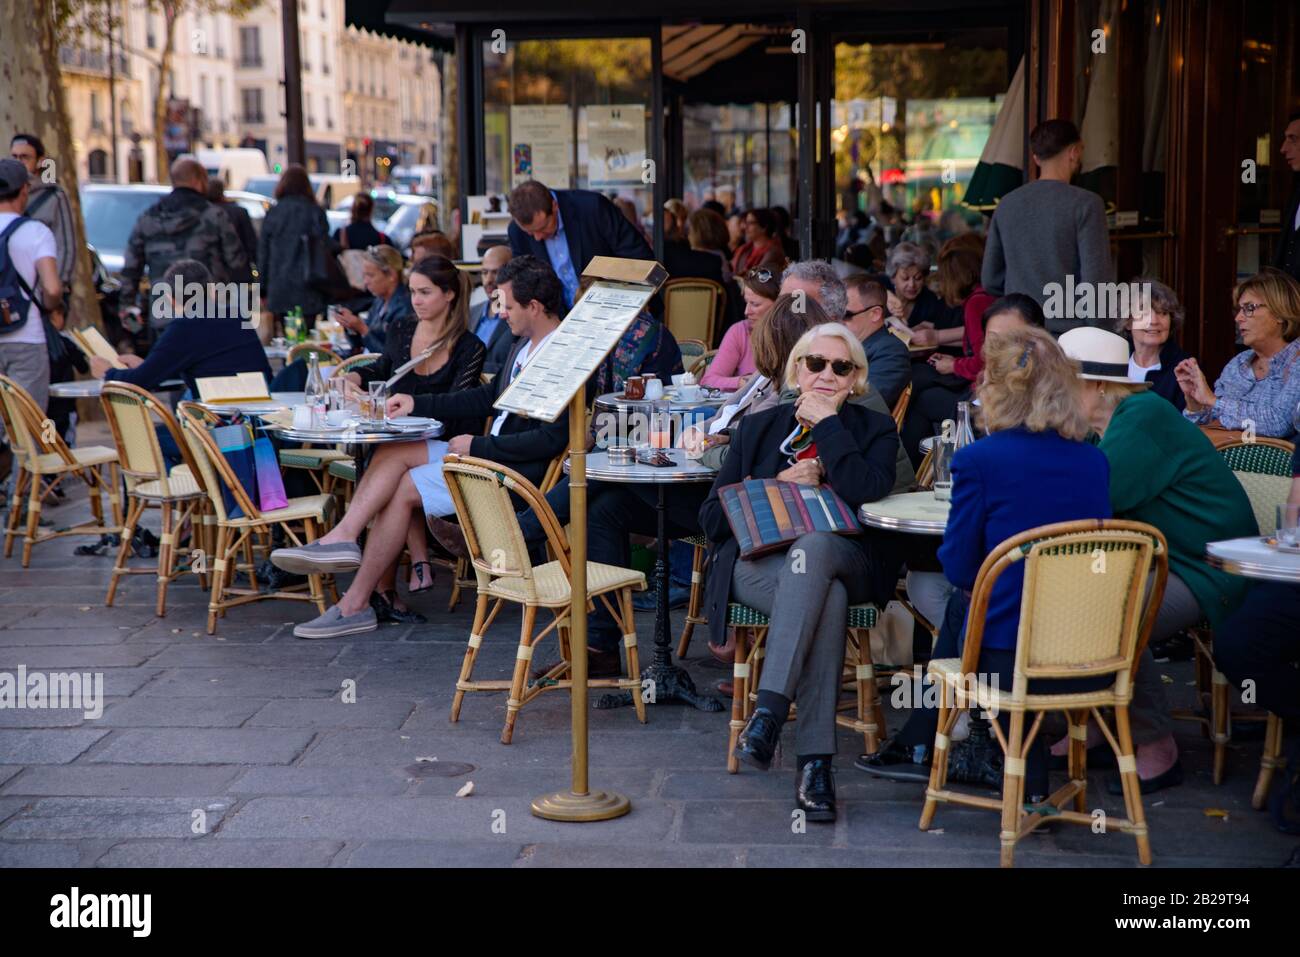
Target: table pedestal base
593,806
667,682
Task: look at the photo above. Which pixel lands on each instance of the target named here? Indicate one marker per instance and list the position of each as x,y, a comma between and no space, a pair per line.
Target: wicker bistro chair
691,307
42,460
324,354
750,626
692,351
130,411
900,407
1263,467
1083,613
697,367
481,492
234,534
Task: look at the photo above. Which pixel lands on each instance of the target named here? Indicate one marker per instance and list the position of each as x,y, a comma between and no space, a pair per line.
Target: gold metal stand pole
579,804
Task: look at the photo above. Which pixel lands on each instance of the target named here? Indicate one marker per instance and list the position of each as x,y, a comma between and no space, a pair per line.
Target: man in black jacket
1287,257
242,222
409,475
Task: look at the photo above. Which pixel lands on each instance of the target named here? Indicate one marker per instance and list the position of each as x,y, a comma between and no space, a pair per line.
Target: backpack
16,296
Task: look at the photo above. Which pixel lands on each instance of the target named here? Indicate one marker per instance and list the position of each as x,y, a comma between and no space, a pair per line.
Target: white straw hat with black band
1102,355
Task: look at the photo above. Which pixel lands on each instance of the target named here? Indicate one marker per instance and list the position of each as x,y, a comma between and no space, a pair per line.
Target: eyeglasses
1250,308
759,274
841,367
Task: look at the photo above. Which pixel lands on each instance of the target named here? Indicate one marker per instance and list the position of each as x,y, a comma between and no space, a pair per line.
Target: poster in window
541,145
615,145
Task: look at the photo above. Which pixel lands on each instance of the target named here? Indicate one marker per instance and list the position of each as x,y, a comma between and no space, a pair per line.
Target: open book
899,328
244,387
92,342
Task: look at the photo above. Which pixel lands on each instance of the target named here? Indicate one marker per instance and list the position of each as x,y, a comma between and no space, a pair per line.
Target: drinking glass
379,401
1288,527
337,395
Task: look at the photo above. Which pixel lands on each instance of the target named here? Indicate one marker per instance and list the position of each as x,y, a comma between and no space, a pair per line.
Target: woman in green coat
1165,472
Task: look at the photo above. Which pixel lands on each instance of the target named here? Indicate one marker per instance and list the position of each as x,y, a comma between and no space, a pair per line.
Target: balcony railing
254,117
250,61
92,61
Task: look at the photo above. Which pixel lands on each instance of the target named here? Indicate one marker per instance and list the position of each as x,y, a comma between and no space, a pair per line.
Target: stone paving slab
212,853
70,818
121,780
54,746
203,746
156,711
321,782
433,854
332,713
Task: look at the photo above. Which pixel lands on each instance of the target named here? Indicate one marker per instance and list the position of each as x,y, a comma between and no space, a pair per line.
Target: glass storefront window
573,114
748,150
908,124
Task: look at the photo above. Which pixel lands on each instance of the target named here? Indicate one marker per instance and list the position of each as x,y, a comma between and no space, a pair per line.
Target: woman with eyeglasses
762,245
382,273
820,439
1259,387
733,366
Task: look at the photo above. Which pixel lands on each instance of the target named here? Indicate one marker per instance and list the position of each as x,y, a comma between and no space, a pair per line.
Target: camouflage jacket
183,225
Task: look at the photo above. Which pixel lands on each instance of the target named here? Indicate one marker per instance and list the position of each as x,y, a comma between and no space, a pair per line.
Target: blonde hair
828,330
1029,382
1280,293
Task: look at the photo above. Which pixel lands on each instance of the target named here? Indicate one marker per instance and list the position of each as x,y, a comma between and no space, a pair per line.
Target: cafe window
908,124
1121,105
746,150
573,114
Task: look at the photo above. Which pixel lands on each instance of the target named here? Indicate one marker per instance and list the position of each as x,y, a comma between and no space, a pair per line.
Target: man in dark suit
566,228
408,475
1287,257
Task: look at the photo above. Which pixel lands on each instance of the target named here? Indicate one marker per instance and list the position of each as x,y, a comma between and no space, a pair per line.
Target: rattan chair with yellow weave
866,714
691,307
692,351
324,354
1263,467
130,411
303,519
899,412
481,491
42,460
1085,611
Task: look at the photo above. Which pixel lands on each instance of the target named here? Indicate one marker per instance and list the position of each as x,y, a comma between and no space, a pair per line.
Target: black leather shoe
386,610
897,762
1171,778
814,792
757,742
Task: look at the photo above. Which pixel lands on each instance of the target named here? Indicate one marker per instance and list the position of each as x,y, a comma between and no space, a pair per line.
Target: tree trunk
34,102
164,90
448,148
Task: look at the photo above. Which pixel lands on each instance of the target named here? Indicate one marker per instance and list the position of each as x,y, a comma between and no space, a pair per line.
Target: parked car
423,179
111,209
395,214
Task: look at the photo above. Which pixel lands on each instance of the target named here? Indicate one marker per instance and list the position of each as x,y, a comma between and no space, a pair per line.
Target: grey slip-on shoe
334,624
314,558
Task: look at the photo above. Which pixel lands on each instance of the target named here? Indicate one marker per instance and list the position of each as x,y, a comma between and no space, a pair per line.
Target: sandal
424,579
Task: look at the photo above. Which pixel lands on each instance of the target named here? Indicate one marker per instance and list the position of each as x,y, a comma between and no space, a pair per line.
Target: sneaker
315,558
334,624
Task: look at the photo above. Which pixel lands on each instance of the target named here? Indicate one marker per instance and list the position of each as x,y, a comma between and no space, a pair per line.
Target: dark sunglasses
841,367
759,274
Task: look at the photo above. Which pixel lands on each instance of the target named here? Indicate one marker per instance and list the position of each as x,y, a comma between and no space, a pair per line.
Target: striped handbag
767,515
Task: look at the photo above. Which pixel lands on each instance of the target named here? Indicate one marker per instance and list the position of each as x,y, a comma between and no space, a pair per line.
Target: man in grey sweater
1046,230
48,203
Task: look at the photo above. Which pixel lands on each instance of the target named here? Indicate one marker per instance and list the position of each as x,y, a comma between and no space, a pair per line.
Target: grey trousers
28,364
1149,709
806,592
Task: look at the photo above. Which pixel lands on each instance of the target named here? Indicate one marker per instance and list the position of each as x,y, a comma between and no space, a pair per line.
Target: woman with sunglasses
733,366
820,439
1260,386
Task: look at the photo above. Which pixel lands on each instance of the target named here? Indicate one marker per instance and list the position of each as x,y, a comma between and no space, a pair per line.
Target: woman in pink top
734,362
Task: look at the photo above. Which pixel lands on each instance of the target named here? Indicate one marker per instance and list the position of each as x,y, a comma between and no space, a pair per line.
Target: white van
332,188
234,167
421,179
